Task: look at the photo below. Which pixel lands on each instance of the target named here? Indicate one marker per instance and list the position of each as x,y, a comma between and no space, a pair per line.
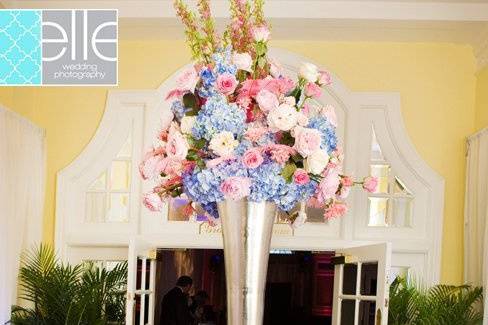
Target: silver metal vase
246,229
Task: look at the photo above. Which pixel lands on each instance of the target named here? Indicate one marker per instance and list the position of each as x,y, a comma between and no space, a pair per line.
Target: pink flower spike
301,177
236,188
370,184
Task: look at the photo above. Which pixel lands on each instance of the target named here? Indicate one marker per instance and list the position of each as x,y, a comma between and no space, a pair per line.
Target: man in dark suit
174,307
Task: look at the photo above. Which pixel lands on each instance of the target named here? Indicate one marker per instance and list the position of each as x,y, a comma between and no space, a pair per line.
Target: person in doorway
174,306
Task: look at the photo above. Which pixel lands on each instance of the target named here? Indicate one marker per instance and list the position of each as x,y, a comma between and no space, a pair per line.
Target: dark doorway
298,287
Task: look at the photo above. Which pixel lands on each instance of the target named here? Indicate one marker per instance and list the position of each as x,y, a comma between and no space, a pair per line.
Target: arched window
99,194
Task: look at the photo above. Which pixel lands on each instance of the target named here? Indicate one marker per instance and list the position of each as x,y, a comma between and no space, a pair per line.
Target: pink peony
153,201
337,209
370,184
254,134
301,177
267,100
307,141
324,78
236,188
260,34
312,90
172,166
328,186
302,119
187,80
151,167
252,158
177,146
226,83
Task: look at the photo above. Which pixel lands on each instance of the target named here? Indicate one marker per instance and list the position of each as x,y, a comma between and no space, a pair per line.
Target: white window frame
142,112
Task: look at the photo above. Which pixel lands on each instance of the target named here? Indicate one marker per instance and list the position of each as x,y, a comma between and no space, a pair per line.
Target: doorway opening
299,285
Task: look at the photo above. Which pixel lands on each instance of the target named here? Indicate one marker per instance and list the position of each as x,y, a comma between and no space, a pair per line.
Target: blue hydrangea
223,62
327,130
211,209
291,194
178,109
267,182
218,115
242,147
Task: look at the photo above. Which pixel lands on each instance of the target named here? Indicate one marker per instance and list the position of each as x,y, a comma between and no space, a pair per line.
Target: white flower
309,72
243,61
187,123
275,68
317,162
283,118
302,119
290,100
223,144
260,34
267,101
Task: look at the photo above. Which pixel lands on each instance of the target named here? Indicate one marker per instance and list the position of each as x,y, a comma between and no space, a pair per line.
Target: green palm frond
440,305
62,294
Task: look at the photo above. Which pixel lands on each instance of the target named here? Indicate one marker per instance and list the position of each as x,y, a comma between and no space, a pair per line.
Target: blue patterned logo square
20,47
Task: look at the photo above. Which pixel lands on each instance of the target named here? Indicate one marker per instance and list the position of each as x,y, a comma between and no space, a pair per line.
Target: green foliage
288,171
61,294
439,305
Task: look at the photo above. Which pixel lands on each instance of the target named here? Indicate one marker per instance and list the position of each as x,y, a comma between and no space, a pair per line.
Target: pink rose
254,134
226,83
153,201
324,78
328,186
337,209
370,184
301,177
347,181
177,146
187,79
236,188
260,34
312,90
267,100
252,158
307,141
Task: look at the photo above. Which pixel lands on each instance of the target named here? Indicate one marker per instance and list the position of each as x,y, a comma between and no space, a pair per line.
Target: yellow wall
481,118
436,81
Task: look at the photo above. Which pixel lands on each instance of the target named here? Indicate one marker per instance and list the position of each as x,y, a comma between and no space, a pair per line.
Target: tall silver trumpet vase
246,229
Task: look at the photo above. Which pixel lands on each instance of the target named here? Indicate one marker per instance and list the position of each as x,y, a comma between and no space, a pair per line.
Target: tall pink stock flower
226,83
252,158
370,184
307,141
260,33
236,188
313,90
337,209
153,201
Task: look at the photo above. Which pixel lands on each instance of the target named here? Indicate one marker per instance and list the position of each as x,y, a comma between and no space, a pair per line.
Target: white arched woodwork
142,112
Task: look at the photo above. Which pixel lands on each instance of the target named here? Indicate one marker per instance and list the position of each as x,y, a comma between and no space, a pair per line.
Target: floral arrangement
242,128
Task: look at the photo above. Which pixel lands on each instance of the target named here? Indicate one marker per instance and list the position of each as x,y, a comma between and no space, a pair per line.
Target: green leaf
190,101
287,139
288,171
261,49
197,144
192,155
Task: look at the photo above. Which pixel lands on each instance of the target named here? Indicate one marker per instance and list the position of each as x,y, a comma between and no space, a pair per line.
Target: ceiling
453,21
